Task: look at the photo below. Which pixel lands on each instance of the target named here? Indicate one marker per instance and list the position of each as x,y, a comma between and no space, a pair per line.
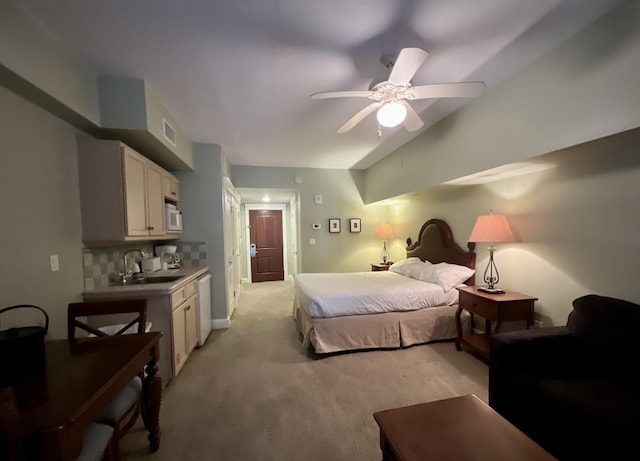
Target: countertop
117,291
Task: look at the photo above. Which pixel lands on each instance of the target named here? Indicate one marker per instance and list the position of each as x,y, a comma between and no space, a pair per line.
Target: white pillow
446,275
418,271
403,266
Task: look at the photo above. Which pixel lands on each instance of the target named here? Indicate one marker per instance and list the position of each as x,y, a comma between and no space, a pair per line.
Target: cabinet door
155,200
191,322
179,338
171,187
135,193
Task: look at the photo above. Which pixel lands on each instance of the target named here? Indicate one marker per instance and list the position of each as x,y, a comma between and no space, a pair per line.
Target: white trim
267,206
220,324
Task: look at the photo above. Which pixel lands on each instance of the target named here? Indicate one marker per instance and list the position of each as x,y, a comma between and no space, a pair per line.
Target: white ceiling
239,72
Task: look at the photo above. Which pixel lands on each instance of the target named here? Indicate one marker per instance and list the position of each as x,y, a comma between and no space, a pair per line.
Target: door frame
285,241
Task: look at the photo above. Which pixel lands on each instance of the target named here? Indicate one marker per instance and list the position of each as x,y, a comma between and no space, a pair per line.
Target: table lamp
384,232
491,228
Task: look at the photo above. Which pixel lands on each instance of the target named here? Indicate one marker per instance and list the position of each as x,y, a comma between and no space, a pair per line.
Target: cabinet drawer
483,307
182,293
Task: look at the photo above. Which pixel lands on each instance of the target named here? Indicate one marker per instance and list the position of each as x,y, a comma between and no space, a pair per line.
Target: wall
341,198
40,209
583,90
202,209
575,224
30,53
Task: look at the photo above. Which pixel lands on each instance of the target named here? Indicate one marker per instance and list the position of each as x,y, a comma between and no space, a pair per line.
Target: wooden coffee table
461,428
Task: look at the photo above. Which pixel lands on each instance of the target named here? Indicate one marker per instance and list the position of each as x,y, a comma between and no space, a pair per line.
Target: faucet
128,273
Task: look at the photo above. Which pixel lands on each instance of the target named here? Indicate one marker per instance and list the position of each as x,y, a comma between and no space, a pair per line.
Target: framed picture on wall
354,225
334,225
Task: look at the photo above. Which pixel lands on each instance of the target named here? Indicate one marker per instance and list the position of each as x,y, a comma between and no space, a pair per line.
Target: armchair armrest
516,354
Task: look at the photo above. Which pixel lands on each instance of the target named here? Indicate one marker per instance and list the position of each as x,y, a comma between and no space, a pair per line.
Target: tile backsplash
99,263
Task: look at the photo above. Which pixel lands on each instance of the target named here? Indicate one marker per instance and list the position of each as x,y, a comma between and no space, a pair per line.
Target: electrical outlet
54,263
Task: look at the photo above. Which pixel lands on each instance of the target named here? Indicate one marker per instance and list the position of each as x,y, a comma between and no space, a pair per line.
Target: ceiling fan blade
448,90
412,121
407,64
353,121
342,94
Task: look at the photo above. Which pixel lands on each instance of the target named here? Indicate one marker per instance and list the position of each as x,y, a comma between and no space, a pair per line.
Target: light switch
318,199
312,241
54,263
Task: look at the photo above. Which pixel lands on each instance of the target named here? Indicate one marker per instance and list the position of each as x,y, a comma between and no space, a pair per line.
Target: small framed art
354,225
334,225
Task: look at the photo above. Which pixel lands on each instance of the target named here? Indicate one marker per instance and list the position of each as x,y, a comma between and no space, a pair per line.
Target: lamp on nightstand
384,231
491,228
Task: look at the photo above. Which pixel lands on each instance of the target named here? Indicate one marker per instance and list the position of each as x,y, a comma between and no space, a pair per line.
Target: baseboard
220,324
245,280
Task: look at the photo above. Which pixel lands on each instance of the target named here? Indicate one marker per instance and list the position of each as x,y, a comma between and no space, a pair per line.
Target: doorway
266,243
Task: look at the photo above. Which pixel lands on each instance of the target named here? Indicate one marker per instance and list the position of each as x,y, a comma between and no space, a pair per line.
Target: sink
149,280
157,279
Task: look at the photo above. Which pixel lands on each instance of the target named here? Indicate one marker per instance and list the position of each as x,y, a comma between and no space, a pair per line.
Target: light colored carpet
252,392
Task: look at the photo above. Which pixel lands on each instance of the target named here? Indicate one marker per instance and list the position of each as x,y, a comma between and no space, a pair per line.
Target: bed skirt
376,331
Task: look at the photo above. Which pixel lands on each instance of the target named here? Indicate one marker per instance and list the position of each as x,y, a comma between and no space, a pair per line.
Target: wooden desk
503,307
58,401
457,429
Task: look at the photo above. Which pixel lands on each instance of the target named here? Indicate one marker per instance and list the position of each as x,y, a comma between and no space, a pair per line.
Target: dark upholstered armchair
574,389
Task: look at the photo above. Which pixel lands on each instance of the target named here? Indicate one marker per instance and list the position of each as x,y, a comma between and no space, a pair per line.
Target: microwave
173,218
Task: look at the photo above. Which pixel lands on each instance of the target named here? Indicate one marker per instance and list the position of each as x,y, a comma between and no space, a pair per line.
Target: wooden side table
504,307
379,267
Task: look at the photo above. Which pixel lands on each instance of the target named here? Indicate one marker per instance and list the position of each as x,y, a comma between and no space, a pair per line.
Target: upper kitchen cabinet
171,188
121,193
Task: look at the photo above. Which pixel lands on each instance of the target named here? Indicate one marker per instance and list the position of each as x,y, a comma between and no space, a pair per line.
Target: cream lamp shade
491,228
384,231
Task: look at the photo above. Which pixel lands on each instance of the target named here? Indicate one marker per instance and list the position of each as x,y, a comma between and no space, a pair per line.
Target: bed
386,309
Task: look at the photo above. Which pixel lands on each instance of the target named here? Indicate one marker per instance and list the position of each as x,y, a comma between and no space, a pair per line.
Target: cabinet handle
173,193
150,228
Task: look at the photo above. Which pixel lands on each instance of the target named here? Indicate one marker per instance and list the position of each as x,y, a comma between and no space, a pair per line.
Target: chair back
77,311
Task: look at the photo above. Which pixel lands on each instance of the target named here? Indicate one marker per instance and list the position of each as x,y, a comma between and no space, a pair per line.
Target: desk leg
152,393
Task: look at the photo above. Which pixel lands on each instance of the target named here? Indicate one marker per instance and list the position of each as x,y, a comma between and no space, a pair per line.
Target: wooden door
266,234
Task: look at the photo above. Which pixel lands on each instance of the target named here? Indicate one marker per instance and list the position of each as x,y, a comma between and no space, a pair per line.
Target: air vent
169,133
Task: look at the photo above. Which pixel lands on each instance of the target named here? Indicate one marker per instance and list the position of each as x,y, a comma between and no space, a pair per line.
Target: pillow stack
448,276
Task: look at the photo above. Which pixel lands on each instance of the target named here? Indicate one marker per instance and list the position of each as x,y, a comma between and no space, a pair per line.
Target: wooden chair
124,409
97,441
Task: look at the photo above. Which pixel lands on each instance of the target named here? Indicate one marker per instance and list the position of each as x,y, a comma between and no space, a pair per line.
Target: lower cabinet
174,314
184,337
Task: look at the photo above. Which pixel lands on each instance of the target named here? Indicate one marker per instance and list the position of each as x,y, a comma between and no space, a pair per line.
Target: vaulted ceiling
239,73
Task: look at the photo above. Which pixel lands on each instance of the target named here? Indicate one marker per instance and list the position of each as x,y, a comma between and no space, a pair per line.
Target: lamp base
493,291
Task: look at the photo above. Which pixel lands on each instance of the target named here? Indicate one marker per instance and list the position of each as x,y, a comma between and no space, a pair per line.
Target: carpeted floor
252,394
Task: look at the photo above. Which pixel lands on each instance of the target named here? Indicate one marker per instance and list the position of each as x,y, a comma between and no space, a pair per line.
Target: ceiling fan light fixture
391,114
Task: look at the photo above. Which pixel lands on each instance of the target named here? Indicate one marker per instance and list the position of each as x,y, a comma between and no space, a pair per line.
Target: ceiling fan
390,96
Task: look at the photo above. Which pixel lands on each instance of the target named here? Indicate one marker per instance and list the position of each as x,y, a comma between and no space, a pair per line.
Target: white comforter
351,293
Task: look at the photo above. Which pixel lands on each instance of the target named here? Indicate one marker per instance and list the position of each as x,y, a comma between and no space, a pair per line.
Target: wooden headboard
435,244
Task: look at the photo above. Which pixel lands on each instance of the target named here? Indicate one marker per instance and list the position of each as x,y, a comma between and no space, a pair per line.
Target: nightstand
504,307
379,267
